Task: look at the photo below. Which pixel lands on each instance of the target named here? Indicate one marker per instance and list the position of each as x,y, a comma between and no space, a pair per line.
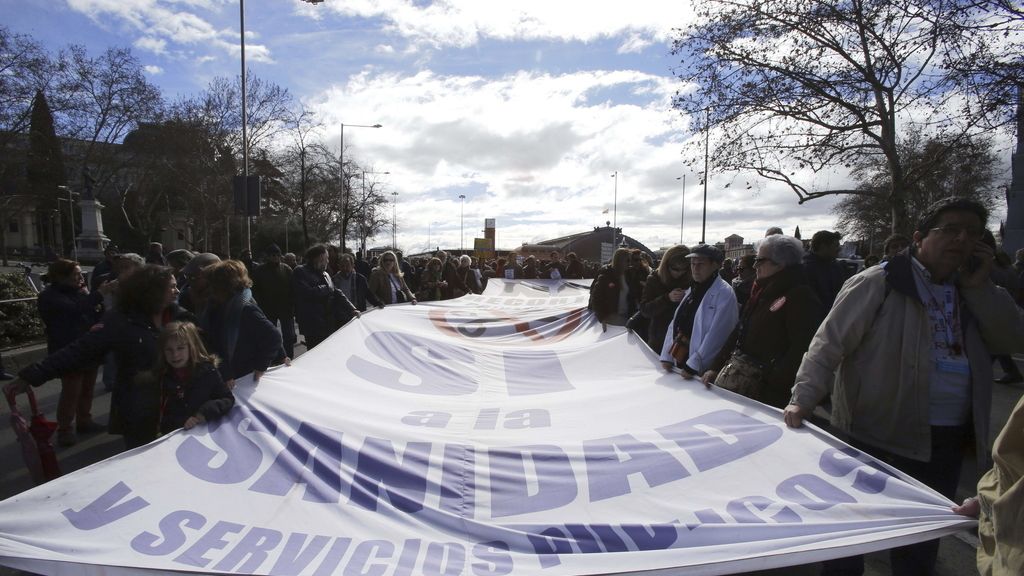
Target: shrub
19,321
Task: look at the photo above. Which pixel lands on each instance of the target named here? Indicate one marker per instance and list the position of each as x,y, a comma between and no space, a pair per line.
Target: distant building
733,247
595,246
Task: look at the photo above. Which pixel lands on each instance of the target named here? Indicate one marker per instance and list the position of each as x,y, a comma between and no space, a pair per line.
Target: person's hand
287,361
356,314
380,306
256,375
667,366
982,257
604,326
709,378
231,383
15,387
686,374
970,508
676,295
413,301
193,421
795,415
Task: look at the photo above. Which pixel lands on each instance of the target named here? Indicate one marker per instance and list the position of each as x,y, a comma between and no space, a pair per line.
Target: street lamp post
615,210
707,145
682,208
71,220
341,160
394,222
462,225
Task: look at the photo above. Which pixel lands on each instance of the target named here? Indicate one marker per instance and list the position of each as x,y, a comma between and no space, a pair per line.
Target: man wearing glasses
913,340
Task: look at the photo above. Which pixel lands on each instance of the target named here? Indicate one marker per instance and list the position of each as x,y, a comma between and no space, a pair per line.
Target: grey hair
135,258
785,251
465,259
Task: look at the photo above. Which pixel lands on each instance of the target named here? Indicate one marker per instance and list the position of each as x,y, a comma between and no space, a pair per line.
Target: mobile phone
973,263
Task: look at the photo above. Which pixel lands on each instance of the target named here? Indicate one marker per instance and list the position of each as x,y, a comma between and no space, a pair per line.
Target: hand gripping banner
497,434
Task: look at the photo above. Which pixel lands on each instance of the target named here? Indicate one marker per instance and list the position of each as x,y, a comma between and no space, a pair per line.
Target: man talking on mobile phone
913,340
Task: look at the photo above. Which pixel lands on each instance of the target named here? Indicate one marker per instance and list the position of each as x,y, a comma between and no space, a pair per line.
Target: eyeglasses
955,230
389,260
759,260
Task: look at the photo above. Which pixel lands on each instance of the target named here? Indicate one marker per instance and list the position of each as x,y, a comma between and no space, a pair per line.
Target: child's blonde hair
188,332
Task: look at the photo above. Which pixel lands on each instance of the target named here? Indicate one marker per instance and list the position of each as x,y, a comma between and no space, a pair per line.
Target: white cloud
153,70
155,45
462,23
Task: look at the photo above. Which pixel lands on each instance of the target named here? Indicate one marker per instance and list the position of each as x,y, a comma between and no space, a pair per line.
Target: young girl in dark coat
191,389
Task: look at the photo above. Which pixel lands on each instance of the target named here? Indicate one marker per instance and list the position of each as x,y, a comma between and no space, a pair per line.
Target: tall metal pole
344,194
245,142
394,223
462,226
615,211
707,140
682,208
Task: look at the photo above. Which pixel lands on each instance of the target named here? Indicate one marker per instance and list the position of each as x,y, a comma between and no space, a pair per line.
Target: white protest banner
497,434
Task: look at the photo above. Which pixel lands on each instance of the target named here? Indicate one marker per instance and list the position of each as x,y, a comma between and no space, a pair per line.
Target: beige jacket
877,334
1001,492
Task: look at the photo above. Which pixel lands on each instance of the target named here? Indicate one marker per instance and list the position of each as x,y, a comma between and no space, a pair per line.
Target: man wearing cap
193,295
103,271
272,289
824,274
704,319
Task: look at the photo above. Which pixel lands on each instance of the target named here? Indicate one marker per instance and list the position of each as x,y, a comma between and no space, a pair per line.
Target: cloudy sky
527,107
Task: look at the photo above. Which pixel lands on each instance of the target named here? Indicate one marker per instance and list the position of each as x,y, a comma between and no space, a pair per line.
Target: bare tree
792,87
25,69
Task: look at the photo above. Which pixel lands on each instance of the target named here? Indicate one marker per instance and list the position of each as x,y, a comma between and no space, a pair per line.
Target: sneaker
66,438
90,428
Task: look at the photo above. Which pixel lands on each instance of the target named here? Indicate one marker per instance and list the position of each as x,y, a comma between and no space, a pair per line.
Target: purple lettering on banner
406,565
405,481
708,516
257,544
529,418
291,467
444,559
584,539
212,540
441,367
812,492
458,482
296,554
870,479
427,419
366,552
330,563
556,482
105,509
720,437
651,537
740,510
548,544
171,535
530,371
494,559
487,419
608,537
608,476
242,456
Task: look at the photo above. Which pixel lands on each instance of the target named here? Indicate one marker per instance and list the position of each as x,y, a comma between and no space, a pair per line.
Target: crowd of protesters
900,353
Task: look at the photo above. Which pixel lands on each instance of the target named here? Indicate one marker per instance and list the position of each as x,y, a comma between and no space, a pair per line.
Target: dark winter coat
775,330
658,308
67,313
604,295
205,393
239,333
825,277
317,302
272,289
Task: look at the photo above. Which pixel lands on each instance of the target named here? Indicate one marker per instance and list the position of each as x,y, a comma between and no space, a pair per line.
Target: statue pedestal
91,242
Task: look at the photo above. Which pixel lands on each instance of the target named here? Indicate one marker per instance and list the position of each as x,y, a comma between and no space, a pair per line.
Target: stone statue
89,181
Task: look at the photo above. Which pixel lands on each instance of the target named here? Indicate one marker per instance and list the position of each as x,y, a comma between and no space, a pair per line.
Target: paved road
956,553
